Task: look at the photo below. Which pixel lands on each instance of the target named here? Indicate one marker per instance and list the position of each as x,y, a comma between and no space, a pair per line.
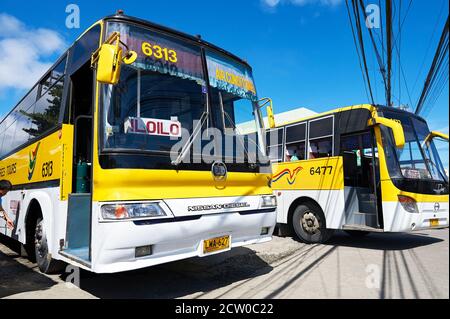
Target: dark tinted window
321,128
46,112
22,130
83,49
14,129
8,135
53,77
296,133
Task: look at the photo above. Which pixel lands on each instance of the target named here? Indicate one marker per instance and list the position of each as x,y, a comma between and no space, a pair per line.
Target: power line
377,53
435,74
357,49
360,48
429,45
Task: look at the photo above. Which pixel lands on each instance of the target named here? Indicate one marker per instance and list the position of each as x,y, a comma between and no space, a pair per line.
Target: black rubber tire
284,230
321,236
45,262
357,233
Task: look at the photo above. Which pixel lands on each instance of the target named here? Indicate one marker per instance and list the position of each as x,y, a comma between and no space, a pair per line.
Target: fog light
143,251
265,230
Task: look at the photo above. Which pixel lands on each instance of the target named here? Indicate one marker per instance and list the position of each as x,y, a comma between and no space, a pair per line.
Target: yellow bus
109,158
360,169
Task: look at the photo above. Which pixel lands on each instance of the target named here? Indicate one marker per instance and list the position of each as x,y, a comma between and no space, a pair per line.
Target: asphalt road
377,266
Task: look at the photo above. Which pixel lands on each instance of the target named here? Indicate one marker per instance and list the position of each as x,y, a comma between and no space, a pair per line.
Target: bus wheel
46,264
357,233
309,224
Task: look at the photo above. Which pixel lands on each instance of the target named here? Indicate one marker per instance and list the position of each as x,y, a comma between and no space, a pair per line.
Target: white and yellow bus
361,169
103,176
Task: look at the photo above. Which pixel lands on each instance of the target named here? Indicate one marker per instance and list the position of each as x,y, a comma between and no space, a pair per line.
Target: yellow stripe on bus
312,174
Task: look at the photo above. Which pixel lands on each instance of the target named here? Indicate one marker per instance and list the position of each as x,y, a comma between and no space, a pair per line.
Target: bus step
79,255
362,228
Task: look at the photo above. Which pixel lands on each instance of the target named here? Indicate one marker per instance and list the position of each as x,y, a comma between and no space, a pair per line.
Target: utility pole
389,50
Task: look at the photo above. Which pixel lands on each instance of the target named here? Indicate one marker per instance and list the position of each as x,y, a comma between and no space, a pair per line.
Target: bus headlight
269,201
129,211
408,204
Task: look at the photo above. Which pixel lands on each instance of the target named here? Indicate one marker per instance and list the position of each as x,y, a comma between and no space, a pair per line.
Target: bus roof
368,107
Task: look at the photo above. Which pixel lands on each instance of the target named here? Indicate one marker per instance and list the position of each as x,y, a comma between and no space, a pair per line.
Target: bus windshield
419,158
164,94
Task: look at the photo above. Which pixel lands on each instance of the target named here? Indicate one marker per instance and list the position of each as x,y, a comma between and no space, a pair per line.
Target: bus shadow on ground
384,241
16,278
177,279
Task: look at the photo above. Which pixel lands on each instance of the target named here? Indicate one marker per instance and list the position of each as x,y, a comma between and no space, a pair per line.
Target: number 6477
321,170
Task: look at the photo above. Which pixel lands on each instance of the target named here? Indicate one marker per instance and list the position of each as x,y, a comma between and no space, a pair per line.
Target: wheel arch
300,201
40,205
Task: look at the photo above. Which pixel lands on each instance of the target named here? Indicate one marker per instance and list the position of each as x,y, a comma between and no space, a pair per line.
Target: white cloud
327,3
25,52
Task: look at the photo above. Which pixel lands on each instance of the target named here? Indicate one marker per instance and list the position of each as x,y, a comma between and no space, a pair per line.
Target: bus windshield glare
419,158
164,96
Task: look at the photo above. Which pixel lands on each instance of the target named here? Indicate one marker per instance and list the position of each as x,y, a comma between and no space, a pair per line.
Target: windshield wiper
241,139
191,139
429,160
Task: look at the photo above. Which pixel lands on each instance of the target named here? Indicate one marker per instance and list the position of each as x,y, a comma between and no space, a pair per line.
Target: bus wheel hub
310,223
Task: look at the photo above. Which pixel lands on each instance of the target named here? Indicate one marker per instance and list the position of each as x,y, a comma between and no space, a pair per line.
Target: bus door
361,181
78,231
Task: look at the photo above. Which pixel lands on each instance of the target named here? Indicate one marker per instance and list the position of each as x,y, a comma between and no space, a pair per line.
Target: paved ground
377,266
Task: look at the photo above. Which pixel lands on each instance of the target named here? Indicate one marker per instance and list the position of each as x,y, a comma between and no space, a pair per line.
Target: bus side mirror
109,64
270,117
396,127
434,134
109,58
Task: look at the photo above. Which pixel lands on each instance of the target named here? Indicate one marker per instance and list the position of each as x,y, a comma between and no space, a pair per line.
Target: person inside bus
287,155
294,157
291,155
5,187
314,152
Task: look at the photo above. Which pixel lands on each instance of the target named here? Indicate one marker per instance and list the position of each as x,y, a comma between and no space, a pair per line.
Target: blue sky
302,51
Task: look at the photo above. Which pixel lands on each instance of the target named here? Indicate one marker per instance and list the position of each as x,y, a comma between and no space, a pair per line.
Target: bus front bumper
428,216
115,244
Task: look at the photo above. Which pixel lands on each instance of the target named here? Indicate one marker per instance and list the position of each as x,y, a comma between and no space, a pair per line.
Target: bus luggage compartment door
78,233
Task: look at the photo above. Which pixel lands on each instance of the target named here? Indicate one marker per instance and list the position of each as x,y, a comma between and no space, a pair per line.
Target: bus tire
357,233
309,224
45,262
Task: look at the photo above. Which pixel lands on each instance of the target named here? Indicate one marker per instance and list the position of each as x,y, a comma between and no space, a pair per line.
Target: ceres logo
290,175
32,157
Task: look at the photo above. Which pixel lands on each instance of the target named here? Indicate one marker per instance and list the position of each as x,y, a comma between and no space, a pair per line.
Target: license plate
434,222
216,244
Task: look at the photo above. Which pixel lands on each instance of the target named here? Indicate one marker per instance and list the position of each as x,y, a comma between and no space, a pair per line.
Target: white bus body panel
114,242
396,219
53,211
331,202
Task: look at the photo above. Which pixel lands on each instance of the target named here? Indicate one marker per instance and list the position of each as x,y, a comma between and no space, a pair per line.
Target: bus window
53,77
274,140
22,131
295,142
322,147
295,152
46,112
321,137
83,48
